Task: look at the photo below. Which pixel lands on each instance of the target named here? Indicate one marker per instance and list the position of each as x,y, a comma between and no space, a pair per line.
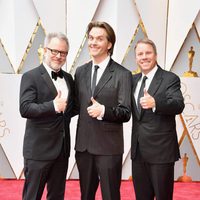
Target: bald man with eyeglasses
46,100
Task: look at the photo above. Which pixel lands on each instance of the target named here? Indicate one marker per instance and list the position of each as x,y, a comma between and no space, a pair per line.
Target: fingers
61,105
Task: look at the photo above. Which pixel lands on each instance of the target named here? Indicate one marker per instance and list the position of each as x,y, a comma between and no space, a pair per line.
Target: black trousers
99,168
152,180
40,173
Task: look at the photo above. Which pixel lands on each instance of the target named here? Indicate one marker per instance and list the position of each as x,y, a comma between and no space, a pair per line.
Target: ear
45,49
109,45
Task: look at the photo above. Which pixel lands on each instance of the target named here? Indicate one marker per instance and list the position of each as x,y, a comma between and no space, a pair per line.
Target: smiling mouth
145,63
94,48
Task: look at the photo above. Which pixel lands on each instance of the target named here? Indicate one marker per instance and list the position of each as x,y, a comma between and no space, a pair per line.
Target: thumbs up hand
60,103
96,109
147,101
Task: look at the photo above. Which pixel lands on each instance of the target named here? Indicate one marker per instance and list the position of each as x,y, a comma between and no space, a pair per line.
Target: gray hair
58,35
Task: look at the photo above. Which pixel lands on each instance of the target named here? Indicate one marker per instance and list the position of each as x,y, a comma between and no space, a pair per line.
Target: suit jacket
155,132
103,137
45,130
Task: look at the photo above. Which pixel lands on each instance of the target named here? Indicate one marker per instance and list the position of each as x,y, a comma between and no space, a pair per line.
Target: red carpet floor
12,190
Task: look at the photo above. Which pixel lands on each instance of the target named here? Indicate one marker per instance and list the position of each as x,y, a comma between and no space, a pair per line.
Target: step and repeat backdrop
175,31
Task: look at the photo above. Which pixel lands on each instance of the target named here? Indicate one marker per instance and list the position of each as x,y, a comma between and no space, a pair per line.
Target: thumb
59,94
145,92
93,100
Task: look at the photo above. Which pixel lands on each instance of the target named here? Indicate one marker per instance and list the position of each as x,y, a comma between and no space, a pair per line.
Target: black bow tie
54,75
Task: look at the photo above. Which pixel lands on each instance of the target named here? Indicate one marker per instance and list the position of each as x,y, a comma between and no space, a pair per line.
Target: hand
60,103
147,101
96,109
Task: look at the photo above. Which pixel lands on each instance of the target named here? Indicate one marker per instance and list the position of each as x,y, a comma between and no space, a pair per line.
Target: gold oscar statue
184,178
190,73
136,71
40,53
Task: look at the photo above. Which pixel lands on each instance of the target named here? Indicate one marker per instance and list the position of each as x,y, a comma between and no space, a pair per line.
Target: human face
146,58
55,54
98,44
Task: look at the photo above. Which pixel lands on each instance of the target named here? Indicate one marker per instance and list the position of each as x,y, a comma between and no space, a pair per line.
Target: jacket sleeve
30,106
170,101
122,112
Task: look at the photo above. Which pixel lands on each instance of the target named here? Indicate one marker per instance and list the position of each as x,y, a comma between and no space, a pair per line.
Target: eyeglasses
56,52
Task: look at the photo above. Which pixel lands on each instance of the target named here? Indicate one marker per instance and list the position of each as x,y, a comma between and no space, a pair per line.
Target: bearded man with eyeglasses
46,100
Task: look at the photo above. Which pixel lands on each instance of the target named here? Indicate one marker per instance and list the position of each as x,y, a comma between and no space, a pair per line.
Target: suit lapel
68,85
48,80
106,76
135,82
156,81
88,73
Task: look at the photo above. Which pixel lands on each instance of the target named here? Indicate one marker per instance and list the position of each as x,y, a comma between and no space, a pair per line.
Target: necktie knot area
96,67
55,75
144,79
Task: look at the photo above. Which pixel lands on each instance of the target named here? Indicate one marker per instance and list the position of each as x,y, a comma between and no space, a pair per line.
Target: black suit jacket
45,129
155,132
103,137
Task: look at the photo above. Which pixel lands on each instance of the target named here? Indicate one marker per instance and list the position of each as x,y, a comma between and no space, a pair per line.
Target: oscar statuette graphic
184,178
40,53
136,71
190,73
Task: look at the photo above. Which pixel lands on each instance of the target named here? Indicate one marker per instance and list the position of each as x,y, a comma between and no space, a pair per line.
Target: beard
55,65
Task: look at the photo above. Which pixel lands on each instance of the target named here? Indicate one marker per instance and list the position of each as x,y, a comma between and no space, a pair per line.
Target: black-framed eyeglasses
56,52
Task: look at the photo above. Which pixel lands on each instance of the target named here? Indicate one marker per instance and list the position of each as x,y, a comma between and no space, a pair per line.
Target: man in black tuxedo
103,92
154,147
46,100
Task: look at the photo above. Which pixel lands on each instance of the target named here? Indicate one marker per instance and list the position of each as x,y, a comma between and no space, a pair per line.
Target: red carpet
12,190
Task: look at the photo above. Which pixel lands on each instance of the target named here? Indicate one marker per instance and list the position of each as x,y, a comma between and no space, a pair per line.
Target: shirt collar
103,64
49,69
151,74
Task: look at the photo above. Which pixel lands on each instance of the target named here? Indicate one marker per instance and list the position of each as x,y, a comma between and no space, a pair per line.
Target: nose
58,55
144,56
94,41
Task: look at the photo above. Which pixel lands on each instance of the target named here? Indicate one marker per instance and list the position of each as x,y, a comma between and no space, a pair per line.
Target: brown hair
109,30
147,41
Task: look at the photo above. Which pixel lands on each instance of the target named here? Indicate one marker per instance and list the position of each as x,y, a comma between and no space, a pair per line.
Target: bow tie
54,75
